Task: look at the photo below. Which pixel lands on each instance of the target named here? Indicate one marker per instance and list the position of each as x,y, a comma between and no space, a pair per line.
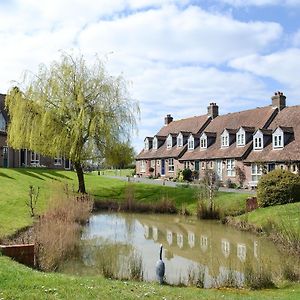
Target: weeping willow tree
71,109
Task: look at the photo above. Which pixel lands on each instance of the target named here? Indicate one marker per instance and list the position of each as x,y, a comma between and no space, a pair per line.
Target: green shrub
278,187
187,174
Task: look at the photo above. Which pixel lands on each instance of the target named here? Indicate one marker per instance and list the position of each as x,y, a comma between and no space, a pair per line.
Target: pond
193,250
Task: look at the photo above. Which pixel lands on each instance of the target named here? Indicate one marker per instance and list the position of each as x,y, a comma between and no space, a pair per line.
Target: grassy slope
19,282
14,186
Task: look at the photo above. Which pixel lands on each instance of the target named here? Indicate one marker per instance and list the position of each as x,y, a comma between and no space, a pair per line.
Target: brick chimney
213,110
278,100
168,119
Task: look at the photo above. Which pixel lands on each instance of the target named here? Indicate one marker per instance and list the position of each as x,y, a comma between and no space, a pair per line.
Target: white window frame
169,142
230,167
241,138
225,139
256,172
258,140
2,123
180,140
58,161
241,251
146,144
203,142
152,163
186,165
191,143
154,143
171,164
143,166
278,139
34,158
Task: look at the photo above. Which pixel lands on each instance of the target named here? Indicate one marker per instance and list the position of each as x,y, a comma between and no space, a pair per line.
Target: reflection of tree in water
130,227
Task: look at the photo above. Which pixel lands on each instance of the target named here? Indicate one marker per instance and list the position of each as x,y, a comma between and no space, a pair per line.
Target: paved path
174,184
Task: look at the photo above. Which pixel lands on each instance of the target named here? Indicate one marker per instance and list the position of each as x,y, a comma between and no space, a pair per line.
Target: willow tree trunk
80,176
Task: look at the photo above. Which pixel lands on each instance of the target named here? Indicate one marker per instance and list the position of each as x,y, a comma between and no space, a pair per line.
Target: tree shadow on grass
6,176
48,172
29,172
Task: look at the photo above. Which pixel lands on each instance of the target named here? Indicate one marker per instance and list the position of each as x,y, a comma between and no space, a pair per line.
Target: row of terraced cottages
10,157
235,145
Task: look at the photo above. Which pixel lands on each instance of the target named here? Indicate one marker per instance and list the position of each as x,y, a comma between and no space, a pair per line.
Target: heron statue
160,267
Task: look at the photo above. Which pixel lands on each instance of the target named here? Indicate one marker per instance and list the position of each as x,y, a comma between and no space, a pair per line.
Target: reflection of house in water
225,245
169,237
191,239
204,242
180,240
154,233
146,232
241,251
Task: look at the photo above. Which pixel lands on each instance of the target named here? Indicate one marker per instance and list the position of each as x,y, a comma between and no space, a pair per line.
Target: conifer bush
278,187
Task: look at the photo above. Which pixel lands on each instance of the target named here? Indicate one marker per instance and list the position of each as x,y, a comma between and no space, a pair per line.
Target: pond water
191,247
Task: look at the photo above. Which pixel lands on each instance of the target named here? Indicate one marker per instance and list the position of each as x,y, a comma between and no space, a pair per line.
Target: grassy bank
15,186
19,282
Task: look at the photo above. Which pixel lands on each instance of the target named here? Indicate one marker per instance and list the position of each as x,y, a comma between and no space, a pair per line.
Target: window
153,164
146,144
225,246
203,242
58,161
2,123
258,143
203,142
171,165
240,139
169,142
225,140
191,143
154,146
256,172
277,141
142,166
186,164
179,140
35,158
230,167
241,252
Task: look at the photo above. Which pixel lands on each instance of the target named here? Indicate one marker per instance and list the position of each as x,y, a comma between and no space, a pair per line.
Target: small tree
73,110
240,173
33,198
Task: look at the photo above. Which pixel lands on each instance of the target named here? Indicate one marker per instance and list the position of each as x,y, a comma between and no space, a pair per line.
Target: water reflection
189,244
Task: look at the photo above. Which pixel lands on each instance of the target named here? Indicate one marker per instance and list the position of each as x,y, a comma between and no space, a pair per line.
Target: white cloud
240,3
282,66
173,35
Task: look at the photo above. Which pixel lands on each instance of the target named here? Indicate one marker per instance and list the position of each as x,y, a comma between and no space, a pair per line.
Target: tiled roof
193,125
257,118
162,152
186,126
286,118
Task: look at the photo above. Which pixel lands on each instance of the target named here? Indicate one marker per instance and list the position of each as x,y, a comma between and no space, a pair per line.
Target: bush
278,187
187,174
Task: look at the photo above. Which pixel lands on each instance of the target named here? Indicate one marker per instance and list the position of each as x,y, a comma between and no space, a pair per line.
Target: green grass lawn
19,282
287,215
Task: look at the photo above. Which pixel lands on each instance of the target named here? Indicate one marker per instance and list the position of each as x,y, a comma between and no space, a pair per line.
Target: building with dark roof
238,146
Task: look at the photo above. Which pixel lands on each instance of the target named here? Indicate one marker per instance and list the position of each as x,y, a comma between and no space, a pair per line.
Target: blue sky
177,55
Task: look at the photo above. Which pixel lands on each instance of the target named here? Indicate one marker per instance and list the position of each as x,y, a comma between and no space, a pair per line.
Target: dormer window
277,139
154,145
169,141
258,140
179,140
225,139
146,147
2,123
191,143
240,137
203,141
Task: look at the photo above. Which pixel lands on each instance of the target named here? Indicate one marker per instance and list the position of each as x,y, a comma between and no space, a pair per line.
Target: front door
219,169
23,158
162,167
5,157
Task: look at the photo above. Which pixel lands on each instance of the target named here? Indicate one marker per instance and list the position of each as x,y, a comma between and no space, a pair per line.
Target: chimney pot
213,110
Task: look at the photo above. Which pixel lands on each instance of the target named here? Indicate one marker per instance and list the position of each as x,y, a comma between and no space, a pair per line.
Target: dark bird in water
160,267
